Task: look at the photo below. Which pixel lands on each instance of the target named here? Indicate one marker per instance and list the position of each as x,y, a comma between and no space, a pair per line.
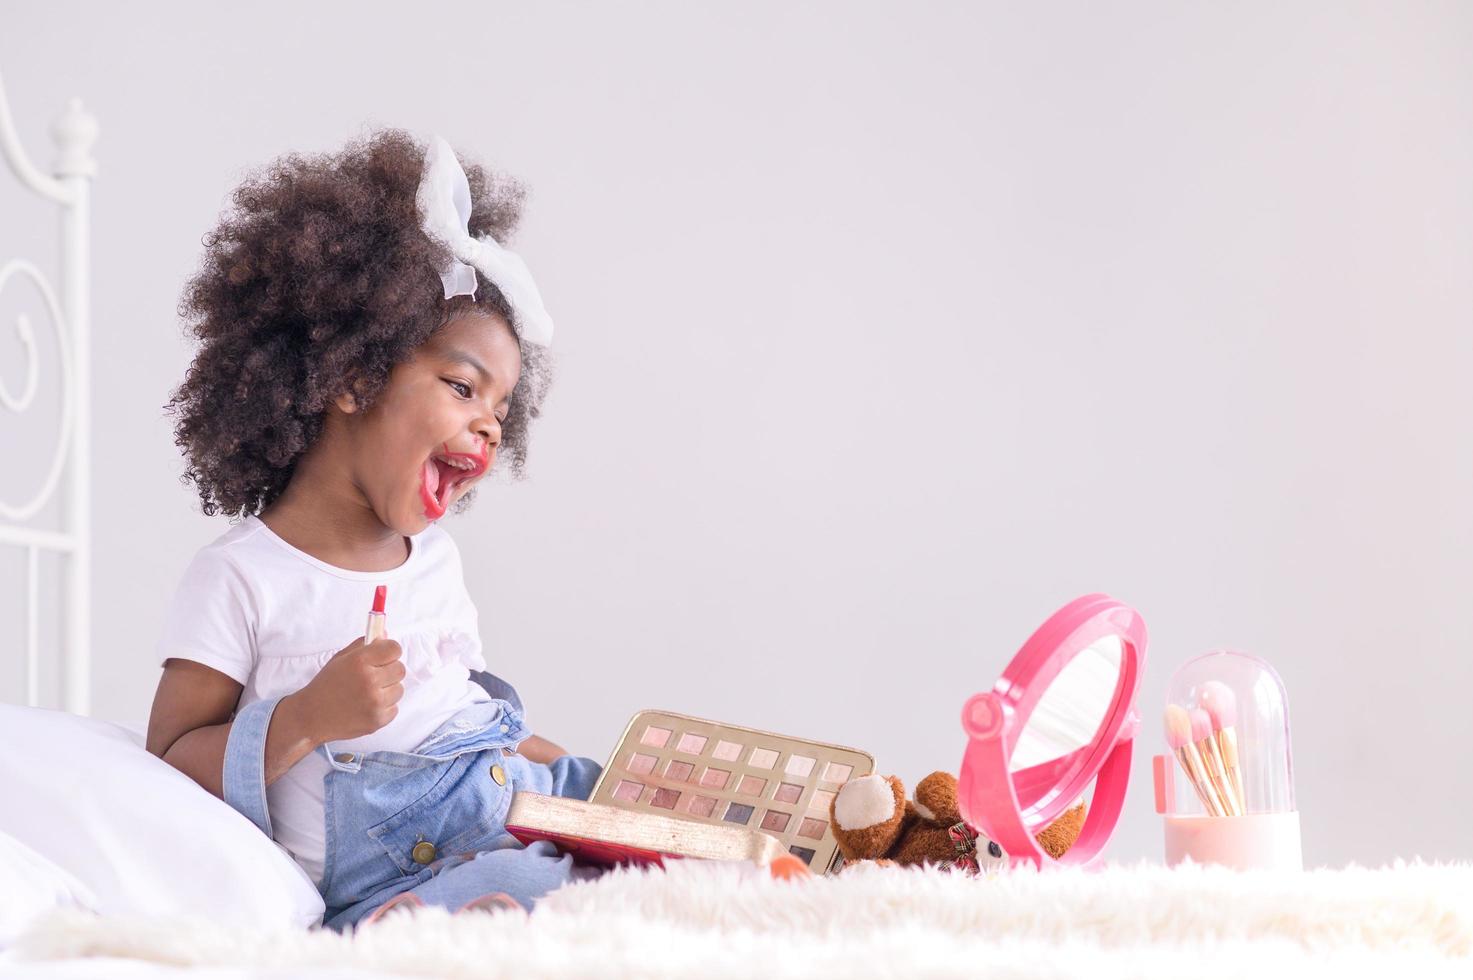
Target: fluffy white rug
716,920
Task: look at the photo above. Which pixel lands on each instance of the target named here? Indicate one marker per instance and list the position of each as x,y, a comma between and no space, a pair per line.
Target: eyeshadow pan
641,764
803,852
788,793
812,829
664,798
837,772
821,800
775,820
800,766
763,758
738,813
715,778
655,736
751,785
692,743
727,751
628,790
702,806
679,770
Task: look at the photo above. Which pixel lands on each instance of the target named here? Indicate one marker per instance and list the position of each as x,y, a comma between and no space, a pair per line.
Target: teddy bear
873,821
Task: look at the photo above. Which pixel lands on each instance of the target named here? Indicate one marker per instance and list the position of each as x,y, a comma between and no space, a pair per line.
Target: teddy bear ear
936,799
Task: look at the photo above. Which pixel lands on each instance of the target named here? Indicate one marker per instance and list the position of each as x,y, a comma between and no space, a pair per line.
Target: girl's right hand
355,693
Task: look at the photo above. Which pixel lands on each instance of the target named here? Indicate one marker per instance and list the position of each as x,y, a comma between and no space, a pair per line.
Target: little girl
367,349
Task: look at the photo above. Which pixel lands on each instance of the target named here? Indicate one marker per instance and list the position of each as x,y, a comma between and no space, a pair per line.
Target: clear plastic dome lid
1227,733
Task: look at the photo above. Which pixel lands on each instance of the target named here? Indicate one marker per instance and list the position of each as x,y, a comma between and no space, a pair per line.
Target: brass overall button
344,757
498,774
423,853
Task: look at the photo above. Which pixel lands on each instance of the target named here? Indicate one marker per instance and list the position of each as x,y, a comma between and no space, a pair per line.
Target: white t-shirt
270,616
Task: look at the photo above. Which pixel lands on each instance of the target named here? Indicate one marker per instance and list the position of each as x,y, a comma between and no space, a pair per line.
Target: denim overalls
431,820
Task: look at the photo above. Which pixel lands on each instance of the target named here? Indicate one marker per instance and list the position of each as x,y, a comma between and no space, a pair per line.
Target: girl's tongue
436,476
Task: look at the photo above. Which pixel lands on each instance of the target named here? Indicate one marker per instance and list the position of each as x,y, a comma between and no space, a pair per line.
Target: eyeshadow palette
601,834
699,770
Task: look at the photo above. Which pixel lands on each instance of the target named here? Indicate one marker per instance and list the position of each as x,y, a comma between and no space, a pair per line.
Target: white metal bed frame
74,132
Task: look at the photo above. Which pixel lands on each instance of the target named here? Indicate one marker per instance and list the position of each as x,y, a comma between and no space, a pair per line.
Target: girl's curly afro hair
318,282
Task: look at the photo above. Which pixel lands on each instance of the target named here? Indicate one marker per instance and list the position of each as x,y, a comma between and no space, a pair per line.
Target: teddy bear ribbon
964,840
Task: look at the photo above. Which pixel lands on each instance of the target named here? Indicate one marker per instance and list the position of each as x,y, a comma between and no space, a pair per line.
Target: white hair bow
444,200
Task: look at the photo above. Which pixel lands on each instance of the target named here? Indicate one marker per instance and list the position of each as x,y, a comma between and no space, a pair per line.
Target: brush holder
1244,815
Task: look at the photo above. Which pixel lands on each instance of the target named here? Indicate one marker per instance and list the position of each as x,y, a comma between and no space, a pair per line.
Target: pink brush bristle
1221,706
1201,724
1178,726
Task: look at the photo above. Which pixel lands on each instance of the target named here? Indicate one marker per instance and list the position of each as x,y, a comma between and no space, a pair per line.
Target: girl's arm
191,718
538,749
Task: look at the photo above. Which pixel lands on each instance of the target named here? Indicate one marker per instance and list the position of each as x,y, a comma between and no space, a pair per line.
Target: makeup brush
1179,737
1222,708
1212,761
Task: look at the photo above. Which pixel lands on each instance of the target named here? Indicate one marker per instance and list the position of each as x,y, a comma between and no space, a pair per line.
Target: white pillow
143,836
32,886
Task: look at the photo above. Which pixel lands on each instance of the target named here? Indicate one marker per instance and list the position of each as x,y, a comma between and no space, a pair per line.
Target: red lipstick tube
378,626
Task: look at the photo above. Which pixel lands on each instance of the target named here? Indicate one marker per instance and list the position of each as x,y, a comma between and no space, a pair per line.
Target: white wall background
884,330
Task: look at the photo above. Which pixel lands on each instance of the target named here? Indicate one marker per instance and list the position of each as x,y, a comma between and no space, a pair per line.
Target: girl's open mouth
442,475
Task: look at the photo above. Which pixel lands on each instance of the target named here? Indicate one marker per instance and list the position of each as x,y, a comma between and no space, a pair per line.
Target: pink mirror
1061,716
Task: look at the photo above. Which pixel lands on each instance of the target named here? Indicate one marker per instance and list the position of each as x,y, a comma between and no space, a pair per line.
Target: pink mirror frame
1011,807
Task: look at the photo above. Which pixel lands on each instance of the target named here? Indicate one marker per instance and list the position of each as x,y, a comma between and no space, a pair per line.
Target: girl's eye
459,385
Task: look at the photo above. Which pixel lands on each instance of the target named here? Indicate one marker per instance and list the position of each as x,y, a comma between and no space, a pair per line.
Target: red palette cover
601,834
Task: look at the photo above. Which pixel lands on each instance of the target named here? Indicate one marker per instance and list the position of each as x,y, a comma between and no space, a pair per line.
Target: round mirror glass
1063,732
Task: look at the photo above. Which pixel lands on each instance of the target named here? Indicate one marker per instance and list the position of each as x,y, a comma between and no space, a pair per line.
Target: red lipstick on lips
434,509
